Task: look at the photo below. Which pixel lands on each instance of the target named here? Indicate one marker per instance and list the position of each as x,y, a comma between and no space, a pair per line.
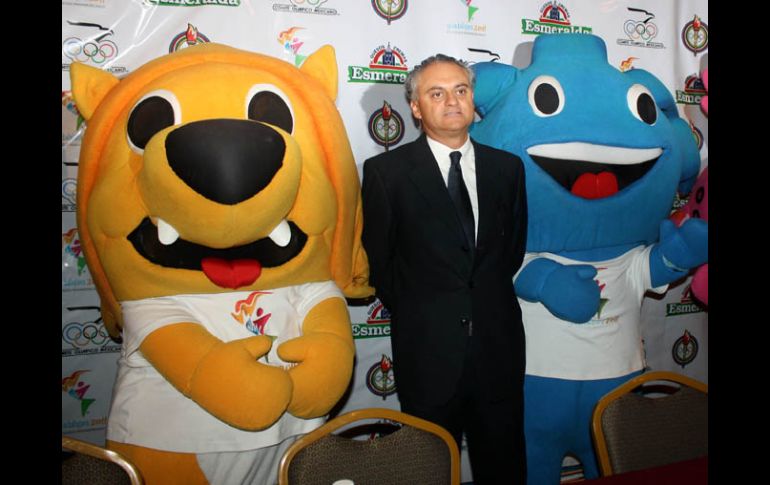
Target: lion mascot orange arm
220,214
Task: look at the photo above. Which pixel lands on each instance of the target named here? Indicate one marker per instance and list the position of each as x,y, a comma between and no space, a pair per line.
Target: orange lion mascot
220,215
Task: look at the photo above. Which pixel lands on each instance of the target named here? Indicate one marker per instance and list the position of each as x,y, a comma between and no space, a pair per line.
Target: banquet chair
644,423
85,463
410,450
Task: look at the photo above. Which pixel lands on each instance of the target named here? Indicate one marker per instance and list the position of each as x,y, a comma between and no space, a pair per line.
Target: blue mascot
604,153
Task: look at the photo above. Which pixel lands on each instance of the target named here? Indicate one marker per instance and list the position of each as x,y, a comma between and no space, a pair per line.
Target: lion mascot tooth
220,215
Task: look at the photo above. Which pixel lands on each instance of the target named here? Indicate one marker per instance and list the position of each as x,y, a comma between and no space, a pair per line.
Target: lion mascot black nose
226,161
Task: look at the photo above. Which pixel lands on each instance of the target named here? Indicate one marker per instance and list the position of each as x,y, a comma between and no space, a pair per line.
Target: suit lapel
428,180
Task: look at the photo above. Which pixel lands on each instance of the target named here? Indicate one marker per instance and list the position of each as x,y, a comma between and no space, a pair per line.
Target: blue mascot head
604,151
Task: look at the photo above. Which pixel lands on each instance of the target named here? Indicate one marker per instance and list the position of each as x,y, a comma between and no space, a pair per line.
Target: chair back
633,430
417,452
94,465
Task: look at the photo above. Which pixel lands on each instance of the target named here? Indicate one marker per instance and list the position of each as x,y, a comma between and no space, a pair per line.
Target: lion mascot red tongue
220,216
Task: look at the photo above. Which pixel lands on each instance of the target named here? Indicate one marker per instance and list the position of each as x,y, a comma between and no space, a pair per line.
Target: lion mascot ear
89,88
350,273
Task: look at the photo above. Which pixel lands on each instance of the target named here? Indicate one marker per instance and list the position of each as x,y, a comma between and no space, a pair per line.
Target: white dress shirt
467,166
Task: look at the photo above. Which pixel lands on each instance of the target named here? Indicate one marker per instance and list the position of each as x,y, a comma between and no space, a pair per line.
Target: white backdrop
376,41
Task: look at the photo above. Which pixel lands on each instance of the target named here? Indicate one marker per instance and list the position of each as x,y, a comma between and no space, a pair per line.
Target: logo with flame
386,126
188,38
390,9
685,349
250,315
695,35
76,388
71,246
380,380
628,64
292,43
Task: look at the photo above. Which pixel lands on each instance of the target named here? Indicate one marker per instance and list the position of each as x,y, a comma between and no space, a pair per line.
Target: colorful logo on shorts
390,9
685,349
554,19
380,380
695,35
188,38
386,126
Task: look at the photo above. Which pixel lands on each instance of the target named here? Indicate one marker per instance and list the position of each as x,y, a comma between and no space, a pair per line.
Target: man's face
444,101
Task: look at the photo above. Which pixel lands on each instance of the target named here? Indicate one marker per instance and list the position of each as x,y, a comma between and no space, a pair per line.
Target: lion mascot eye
269,105
154,112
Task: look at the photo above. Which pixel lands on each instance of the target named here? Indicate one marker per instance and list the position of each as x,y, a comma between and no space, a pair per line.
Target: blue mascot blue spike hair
604,153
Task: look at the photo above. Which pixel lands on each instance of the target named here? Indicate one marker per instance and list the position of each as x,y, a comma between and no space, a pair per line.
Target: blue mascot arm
679,250
568,292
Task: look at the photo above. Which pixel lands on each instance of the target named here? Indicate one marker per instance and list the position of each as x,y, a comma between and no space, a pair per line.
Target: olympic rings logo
82,334
98,52
640,30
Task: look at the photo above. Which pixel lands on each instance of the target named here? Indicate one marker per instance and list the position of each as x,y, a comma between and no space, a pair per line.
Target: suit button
464,321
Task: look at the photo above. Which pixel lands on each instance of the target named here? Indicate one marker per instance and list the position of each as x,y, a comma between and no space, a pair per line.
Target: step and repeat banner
377,42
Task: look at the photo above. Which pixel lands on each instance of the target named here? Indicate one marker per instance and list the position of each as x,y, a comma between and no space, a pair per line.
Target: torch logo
188,38
390,9
695,35
380,378
685,349
386,126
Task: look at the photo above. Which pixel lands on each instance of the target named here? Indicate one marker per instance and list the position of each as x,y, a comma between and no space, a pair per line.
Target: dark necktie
460,197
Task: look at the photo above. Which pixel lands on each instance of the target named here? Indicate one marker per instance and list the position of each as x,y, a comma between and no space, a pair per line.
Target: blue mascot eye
154,112
546,96
641,104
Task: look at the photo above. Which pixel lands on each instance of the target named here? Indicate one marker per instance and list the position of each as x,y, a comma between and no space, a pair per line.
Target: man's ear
415,110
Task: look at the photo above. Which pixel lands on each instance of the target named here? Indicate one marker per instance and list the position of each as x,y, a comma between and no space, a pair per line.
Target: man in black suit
445,223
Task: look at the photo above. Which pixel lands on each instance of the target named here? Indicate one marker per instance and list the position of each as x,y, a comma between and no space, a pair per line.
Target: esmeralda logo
694,90
554,19
684,306
377,322
193,3
387,65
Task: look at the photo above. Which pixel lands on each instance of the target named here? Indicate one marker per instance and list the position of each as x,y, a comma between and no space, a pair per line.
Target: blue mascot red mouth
593,171
228,267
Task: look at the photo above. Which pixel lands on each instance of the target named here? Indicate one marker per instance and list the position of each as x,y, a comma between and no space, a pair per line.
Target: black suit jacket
435,286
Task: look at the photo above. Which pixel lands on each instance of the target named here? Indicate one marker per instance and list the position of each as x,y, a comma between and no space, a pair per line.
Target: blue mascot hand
568,292
679,250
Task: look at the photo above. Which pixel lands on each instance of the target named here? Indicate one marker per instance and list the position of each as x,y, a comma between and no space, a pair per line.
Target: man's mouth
229,267
594,171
